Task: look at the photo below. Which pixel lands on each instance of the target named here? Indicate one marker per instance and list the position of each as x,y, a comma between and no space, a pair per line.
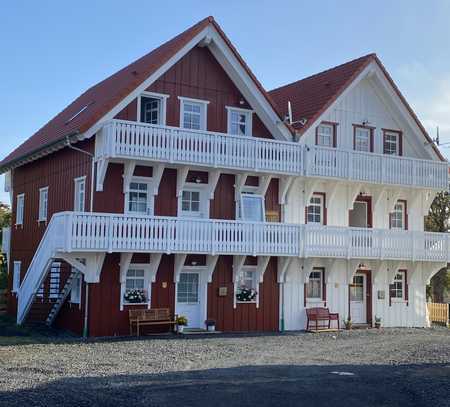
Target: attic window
79,112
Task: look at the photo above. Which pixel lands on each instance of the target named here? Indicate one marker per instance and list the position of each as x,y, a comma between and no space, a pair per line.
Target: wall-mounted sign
381,294
223,291
164,284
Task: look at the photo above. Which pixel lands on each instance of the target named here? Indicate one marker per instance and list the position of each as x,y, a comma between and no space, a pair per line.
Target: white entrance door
358,308
189,298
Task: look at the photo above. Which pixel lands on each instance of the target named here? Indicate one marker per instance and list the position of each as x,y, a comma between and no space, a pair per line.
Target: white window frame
247,194
79,195
402,281
402,213
17,265
147,284
204,201
43,204
321,135
322,209
20,209
203,112
75,295
320,279
162,107
248,269
368,131
397,142
150,197
248,120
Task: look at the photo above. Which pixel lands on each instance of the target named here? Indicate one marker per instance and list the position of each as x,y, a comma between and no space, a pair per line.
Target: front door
189,298
358,306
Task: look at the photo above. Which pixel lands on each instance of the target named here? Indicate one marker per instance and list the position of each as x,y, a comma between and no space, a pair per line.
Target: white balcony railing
140,141
127,233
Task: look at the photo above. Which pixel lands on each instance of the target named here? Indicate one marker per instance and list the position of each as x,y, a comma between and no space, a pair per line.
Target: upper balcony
123,140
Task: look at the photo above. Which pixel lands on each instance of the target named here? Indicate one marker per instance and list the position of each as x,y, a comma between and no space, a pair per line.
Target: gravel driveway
390,367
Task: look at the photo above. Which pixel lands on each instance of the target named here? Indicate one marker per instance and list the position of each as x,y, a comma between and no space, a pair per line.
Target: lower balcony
100,232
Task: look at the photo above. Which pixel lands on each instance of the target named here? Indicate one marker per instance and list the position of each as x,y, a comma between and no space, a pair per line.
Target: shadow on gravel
276,385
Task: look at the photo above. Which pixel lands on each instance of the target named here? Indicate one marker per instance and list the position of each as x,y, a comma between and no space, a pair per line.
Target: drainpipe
91,209
282,307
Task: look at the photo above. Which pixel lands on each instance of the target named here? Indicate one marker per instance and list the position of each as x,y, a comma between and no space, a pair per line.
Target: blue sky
52,51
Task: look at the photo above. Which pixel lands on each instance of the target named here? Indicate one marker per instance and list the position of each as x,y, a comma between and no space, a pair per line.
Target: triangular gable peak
86,115
372,97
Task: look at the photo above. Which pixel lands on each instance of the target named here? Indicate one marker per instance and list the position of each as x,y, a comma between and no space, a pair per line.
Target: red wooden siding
198,75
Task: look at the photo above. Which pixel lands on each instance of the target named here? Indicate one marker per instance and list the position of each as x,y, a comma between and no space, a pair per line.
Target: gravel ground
389,367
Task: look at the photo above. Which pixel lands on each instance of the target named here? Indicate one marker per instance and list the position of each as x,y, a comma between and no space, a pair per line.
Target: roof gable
94,104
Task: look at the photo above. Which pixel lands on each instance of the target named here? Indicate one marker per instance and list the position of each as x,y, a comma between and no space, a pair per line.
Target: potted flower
246,295
135,296
348,323
210,325
377,322
181,323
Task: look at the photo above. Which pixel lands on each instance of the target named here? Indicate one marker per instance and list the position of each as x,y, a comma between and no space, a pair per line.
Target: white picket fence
133,140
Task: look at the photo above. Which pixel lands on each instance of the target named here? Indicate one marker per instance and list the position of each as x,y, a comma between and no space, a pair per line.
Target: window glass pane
391,144
150,110
187,288
314,210
252,208
314,287
362,139
325,135
192,114
138,197
238,123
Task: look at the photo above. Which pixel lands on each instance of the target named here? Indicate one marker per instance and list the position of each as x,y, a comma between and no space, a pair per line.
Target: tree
438,220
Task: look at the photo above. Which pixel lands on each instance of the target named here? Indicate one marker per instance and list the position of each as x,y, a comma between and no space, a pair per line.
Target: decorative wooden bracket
352,192
102,167
94,264
211,262
264,182
307,268
332,188
178,266
352,267
73,260
392,198
378,195
213,179
427,200
284,186
331,270
283,267
128,171
392,269
431,270
158,170
263,261
155,260
239,185
379,268
125,261
309,187
181,179
238,263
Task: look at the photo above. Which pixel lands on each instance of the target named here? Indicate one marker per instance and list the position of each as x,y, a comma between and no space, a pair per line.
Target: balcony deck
99,232
121,139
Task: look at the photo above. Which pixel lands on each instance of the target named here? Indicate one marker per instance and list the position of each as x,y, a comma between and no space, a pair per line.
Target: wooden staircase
61,297
3,301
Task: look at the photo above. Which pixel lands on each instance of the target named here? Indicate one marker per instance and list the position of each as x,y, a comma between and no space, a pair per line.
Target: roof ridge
367,56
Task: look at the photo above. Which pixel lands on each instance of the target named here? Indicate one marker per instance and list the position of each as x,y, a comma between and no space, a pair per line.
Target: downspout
91,209
282,307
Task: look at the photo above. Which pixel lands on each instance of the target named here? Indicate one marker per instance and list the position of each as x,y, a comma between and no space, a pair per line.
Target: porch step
61,297
198,331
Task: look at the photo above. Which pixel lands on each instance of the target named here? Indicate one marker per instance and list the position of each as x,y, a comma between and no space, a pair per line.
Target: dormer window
326,134
239,121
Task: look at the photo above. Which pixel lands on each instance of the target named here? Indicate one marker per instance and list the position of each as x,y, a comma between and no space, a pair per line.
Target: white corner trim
240,109
188,99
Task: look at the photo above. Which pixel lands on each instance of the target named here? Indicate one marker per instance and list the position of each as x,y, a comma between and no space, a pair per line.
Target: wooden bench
320,314
155,316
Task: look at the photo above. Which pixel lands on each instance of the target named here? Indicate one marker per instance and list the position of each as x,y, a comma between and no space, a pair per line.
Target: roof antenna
437,135
290,111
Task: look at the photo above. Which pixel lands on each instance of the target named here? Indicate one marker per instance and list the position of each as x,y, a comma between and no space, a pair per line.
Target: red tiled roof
101,98
311,96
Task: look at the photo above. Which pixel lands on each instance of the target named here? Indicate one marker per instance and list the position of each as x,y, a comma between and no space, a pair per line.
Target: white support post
213,179
332,188
181,179
102,167
260,270
158,170
239,185
128,171
178,265
211,262
284,186
353,190
283,267
264,182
